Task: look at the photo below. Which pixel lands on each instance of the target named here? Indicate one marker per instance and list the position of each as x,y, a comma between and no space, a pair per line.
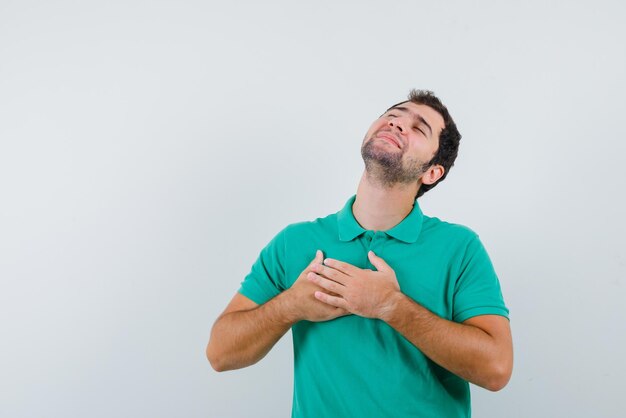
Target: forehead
432,117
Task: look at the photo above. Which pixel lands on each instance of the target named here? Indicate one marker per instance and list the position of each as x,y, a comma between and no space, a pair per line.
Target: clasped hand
363,292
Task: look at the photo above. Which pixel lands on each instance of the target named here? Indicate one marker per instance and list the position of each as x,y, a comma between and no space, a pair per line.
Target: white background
150,149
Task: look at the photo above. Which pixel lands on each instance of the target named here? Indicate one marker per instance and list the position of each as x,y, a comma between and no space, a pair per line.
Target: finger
331,273
319,257
346,268
332,300
324,283
378,262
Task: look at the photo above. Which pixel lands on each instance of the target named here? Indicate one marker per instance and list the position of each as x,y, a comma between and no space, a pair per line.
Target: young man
397,311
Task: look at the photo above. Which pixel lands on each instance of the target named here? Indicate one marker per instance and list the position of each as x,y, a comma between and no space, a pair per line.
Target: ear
434,173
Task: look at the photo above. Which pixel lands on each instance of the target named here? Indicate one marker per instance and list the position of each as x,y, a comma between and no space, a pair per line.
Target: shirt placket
373,241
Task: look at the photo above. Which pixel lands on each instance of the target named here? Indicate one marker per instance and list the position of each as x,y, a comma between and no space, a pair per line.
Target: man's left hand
363,292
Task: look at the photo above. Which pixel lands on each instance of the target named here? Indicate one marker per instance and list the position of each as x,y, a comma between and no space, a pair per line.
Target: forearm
240,339
465,350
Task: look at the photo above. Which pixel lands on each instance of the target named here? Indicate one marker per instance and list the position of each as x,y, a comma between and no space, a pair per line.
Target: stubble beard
387,168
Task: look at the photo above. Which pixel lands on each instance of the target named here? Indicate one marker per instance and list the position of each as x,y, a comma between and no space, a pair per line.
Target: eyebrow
416,117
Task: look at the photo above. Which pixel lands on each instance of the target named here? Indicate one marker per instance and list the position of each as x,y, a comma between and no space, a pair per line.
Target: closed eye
417,128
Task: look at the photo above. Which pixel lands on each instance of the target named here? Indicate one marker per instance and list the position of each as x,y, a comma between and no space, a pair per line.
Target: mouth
389,138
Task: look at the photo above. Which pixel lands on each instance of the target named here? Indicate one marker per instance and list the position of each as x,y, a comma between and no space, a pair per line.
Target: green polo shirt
360,367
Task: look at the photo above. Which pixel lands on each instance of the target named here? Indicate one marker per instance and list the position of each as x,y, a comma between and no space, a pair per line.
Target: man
397,311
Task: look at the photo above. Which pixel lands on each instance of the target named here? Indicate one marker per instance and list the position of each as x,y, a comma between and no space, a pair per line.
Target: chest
425,274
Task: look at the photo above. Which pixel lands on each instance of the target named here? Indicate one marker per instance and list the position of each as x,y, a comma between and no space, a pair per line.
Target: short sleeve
477,290
266,277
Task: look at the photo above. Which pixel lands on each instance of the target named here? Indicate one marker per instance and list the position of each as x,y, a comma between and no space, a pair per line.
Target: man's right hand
245,332
301,300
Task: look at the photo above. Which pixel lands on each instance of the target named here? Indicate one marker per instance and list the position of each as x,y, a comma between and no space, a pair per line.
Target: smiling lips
390,137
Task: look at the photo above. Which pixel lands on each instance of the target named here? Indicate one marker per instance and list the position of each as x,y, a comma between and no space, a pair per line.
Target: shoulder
316,226
448,230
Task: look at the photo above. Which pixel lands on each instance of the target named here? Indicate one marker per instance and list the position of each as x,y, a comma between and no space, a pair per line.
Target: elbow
499,377
214,359
218,367
221,360
496,384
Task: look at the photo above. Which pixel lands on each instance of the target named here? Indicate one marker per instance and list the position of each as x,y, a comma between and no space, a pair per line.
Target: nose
397,123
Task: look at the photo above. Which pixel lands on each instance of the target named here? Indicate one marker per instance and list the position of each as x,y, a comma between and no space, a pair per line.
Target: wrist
393,305
289,312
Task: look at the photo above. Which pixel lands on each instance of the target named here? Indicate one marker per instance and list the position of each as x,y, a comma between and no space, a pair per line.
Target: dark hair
449,137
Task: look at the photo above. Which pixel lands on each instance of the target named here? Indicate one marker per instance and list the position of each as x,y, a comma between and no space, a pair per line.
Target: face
400,143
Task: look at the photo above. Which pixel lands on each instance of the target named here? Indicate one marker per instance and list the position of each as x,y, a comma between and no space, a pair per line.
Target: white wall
150,149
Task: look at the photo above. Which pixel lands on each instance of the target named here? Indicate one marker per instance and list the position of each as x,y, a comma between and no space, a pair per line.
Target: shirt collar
407,231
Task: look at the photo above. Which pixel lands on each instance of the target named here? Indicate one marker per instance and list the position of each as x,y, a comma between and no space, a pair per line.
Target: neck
380,207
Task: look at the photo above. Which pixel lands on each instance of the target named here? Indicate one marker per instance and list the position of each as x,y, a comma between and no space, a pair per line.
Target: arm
480,350
246,332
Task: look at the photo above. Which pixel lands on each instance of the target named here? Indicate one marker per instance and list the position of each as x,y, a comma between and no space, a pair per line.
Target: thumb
377,262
